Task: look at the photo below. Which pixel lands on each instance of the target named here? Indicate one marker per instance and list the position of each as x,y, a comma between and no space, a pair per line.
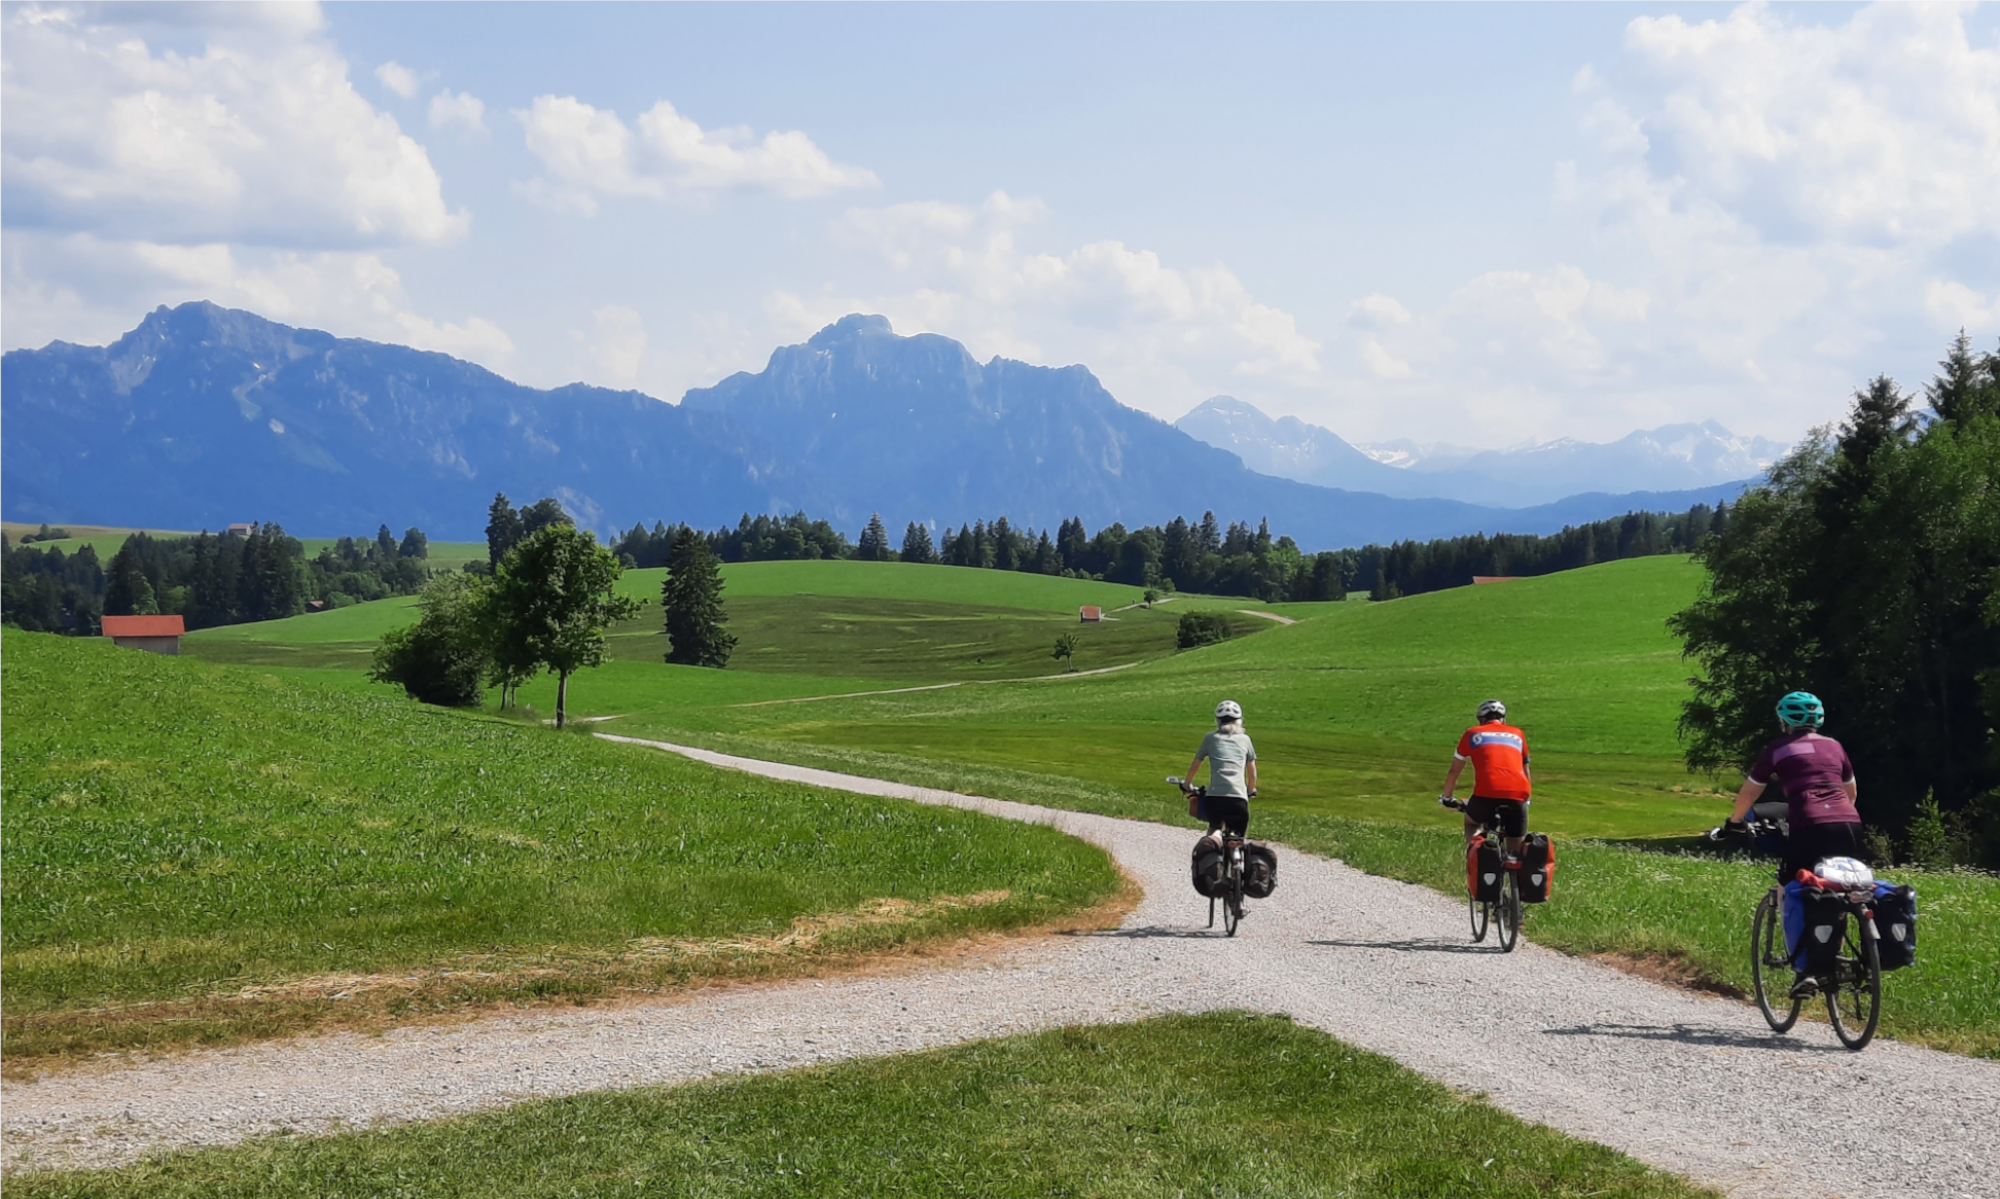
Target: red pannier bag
1538,867
1482,870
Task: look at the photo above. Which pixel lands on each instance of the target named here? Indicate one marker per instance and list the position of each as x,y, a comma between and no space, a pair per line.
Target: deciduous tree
557,590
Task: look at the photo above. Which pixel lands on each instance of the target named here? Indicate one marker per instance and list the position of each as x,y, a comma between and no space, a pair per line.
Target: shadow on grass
1688,1034
1413,946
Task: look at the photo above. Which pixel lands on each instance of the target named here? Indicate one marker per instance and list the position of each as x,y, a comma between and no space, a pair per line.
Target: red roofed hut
1481,580
160,634
1089,614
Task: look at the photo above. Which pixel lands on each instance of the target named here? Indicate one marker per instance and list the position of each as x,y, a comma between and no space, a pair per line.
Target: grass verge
1220,1104
196,855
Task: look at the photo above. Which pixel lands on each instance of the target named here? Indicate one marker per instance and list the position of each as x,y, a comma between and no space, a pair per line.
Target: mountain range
1669,458
202,416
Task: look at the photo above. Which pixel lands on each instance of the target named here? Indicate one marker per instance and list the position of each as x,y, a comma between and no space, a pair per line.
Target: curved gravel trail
1689,1083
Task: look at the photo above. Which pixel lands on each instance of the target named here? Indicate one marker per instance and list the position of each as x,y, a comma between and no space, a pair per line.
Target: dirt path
1689,1083
1267,615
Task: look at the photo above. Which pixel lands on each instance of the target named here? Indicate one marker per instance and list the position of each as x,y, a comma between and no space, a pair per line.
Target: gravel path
1689,1083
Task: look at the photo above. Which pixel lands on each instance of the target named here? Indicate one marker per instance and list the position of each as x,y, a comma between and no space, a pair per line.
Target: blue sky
1461,223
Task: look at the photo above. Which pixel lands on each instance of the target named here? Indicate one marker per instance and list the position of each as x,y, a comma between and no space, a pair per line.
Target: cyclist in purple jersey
1819,787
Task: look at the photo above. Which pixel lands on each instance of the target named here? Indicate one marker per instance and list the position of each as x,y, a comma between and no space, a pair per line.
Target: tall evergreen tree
503,530
917,544
691,597
385,542
874,543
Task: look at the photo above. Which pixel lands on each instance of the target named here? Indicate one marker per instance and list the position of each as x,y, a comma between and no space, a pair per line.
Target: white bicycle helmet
1228,710
1492,709
1845,872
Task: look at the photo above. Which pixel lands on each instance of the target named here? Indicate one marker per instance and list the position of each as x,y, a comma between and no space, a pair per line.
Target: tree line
1868,572
207,579
1200,556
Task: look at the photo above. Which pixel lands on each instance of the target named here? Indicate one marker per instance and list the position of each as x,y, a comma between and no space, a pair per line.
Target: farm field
200,854
1108,1110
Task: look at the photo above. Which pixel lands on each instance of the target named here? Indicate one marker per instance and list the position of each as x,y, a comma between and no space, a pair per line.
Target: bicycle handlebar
1446,801
1751,828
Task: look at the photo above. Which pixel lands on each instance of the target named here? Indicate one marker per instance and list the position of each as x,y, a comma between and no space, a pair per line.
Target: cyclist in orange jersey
1500,788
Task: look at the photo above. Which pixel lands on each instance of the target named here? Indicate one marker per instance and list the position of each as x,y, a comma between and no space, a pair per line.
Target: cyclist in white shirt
1232,771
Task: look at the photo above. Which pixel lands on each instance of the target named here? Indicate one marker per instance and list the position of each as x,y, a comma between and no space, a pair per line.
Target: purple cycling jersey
1810,770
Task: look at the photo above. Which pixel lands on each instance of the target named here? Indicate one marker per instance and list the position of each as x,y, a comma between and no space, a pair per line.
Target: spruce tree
874,546
692,599
917,544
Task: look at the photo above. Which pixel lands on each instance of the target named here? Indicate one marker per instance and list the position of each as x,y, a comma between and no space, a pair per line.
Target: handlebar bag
1538,867
1814,924
1482,870
1896,924
1260,870
1207,867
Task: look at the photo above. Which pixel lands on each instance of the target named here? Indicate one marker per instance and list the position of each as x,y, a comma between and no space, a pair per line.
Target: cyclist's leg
1513,823
1233,813
1478,814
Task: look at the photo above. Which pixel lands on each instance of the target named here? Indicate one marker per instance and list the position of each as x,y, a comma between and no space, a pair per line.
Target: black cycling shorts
1811,842
1510,814
1227,811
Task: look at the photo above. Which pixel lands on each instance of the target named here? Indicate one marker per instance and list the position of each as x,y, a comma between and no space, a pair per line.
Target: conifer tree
917,544
692,599
503,530
874,545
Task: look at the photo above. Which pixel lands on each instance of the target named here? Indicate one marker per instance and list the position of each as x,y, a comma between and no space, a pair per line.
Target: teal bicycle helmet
1801,709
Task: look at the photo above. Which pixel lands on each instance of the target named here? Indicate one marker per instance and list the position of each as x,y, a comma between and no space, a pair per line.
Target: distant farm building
240,529
1478,579
159,634
1089,614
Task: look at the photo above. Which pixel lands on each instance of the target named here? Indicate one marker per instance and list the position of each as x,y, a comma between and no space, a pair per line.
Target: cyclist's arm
1451,778
1849,787
1250,775
1745,799
1192,767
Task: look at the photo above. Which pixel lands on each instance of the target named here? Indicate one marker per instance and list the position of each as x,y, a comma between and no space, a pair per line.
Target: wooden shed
1089,614
159,634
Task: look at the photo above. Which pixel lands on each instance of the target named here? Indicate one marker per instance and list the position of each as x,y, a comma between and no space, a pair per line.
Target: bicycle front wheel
1232,907
1854,994
1770,968
1507,913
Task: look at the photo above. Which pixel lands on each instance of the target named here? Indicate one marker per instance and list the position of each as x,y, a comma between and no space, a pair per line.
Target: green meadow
187,847
1220,1104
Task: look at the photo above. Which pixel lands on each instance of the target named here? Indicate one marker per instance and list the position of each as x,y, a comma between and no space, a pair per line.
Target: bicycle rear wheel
1507,913
1770,969
1482,914
1854,994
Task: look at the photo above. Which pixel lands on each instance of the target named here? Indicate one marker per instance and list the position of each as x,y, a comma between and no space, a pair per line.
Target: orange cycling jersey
1499,756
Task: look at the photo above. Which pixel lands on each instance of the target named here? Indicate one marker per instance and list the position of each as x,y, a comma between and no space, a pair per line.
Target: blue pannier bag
1814,923
1895,925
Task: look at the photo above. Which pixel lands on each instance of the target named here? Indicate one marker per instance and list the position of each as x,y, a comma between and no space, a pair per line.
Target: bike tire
1232,908
1768,964
1854,993
1508,911
1482,916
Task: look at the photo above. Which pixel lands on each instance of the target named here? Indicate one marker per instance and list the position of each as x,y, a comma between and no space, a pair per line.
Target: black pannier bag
1825,924
1207,866
1895,925
1538,867
1482,870
1260,870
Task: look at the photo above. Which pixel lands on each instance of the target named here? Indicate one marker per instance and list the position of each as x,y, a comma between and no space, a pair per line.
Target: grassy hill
196,852
444,555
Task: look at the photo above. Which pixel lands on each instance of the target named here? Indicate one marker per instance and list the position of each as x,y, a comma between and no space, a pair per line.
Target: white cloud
79,286
1955,306
618,345
1152,331
260,140
398,79
586,152
464,112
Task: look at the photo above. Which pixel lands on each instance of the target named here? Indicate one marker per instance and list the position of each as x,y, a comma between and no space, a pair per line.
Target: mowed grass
1223,1104
185,842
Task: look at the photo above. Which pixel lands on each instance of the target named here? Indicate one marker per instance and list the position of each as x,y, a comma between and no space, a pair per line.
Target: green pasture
440,555
444,555
1224,1104
176,832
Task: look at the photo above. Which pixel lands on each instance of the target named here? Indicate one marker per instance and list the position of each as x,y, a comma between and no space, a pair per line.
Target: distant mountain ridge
1671,457
203,415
